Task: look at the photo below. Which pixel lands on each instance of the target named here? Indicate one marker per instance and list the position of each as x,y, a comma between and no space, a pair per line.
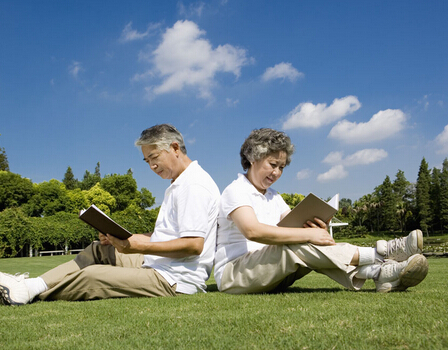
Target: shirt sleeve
234,197
194,207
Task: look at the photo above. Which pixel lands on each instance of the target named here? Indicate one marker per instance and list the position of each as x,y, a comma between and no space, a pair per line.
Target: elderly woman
254,255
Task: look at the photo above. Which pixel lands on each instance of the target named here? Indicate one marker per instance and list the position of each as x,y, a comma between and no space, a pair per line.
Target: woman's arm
248,224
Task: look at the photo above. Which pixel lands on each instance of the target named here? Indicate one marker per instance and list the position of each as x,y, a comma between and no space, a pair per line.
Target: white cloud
282,71
333,157
185,59
337,172
194,9
308,115
442,141
303,174
232,103
382,125
362,157
129,34
75,68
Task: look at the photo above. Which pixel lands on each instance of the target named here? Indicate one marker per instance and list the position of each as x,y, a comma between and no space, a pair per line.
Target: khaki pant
275,267
100,272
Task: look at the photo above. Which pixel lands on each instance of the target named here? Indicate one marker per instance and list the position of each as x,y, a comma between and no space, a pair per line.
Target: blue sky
360,87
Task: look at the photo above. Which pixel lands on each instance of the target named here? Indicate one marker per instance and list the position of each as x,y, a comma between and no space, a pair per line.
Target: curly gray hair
263,142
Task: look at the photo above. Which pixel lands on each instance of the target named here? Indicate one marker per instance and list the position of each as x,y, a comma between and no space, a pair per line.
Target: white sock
36,286
368,256
368,271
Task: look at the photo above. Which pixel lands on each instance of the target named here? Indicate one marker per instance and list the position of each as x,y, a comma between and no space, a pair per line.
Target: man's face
163,163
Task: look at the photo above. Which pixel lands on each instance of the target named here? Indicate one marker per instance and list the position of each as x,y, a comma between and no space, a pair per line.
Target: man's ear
175,147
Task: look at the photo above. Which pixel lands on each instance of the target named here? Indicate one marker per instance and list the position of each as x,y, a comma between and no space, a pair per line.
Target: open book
100,221
309,208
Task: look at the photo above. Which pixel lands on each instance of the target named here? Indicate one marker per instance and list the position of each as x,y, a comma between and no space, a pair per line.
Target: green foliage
136,219
4,165
122,187
77,200
15,228
50,197
422,196
292,199
69,180
101,198
89,180
444,196
14,190
388,201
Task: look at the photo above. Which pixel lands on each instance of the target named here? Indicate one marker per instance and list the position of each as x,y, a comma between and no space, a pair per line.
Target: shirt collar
269,191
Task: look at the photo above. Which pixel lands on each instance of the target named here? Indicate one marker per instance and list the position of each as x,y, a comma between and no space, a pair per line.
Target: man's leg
105,281
95,253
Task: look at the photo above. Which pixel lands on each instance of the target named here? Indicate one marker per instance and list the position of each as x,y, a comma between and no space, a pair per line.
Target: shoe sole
414,273
4,296
419,241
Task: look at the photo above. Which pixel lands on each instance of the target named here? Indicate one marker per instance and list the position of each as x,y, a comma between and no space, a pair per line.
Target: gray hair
161,136
263,142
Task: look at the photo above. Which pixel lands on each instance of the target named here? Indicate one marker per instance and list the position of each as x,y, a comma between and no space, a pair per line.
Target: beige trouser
100,272
275,267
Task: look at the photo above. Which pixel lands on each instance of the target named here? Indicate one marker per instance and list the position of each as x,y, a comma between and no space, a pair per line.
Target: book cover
103,223
309,208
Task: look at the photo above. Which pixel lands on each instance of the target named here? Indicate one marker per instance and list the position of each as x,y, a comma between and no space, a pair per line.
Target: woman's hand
317,223
319,236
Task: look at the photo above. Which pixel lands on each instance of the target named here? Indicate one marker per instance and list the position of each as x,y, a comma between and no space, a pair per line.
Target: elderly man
177,258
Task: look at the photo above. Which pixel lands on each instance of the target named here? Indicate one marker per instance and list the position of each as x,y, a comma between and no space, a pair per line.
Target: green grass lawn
315,313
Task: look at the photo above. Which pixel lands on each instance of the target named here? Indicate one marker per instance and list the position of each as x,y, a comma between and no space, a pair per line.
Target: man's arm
141,244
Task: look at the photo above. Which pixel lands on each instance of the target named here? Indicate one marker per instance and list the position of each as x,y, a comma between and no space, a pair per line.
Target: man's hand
103,239
121,245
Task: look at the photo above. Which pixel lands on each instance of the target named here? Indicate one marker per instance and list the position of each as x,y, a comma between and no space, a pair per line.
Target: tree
50,197
4,165
77,200
434,199
387,198
292,199
123,188
14,190
444,196
422,196
101,198
14,231
137,220
400,185
69,180
89,180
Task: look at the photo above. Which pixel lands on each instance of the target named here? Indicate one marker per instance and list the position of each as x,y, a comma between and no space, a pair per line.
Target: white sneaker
400,249
398,276
13,290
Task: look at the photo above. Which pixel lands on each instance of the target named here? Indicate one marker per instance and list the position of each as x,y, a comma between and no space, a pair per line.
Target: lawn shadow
213,288
324,290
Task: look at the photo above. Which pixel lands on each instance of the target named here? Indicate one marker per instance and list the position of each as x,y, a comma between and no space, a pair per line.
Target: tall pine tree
434,199
444,196
69,180
4,165
388,208
422,196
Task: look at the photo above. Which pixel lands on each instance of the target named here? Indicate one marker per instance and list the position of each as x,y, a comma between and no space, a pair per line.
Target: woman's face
264,172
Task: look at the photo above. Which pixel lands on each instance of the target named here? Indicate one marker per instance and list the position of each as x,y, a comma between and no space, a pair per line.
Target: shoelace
396,244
